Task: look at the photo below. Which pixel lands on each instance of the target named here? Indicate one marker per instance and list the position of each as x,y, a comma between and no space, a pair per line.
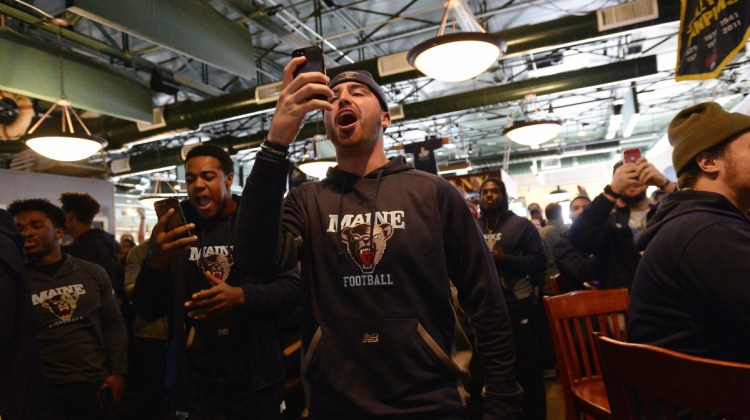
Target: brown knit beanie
701,127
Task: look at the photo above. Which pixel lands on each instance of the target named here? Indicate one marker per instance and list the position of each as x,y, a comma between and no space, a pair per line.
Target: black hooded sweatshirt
379,329
98,247
231,355
691,291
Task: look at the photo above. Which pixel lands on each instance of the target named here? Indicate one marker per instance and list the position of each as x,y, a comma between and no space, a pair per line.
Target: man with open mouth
392,346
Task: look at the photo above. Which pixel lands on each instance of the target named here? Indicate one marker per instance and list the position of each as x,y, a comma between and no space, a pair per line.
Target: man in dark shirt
89,243
518,251
81,333
223,353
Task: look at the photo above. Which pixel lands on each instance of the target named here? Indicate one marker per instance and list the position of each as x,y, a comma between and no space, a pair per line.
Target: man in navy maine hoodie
380,244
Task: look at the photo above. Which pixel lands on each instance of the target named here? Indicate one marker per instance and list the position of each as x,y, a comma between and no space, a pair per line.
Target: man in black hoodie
691,290
518,251
224,358
380,243
89,243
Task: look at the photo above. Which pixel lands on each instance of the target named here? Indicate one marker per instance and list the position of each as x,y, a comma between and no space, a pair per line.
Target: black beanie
365,78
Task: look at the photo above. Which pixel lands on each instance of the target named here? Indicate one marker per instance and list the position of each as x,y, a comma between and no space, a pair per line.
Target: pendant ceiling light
458,56
67,144
320,155
559,194
148,199
535,128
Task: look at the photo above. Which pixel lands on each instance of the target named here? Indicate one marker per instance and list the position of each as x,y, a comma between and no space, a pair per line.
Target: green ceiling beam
619,72
546,35
191,27
30,69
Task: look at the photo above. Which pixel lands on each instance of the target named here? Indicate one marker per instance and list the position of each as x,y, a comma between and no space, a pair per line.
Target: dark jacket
575,266
98,247
209,361
522,267
23,394
607,235
692,291
379,331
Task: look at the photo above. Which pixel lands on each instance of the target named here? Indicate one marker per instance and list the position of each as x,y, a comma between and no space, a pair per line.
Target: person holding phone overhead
609,235
223,352
380,244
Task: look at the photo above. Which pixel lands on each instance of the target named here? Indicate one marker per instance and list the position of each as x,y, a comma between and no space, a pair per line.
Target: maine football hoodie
378,254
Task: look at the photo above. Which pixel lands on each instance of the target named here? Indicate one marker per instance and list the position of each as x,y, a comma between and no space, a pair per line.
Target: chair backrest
556,282
648,382
572,318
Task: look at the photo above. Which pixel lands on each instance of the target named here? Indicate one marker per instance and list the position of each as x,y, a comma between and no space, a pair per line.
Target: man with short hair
518,252
610,235
81,333
223,353
691,292
89,243
380,243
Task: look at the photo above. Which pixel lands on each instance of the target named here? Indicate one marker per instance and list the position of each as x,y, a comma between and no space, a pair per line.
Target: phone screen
631,155
314,56
178,218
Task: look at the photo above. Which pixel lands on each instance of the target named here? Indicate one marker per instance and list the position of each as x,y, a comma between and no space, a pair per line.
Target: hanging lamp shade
320,155
148,198
559,194
67,144
533,133
458,56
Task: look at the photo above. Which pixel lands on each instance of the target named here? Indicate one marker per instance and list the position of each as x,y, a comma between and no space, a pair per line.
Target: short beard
633,199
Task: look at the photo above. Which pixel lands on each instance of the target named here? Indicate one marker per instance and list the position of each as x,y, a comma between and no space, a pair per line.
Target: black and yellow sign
711,33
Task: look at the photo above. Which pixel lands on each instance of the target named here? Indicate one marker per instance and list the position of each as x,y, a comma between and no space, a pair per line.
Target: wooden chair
556,282
648,382
572,318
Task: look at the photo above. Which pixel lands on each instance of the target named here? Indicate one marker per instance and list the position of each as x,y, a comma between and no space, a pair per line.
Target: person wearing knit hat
690,292
698,128
379,245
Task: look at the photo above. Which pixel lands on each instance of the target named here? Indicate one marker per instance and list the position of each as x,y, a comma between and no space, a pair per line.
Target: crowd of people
400,289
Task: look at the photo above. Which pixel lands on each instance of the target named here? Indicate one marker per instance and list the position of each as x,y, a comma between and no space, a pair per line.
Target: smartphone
178,217
631,155
314,56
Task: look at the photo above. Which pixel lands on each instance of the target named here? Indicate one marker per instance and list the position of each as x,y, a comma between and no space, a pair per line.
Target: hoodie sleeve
589,231
472,270
272,295
260,216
